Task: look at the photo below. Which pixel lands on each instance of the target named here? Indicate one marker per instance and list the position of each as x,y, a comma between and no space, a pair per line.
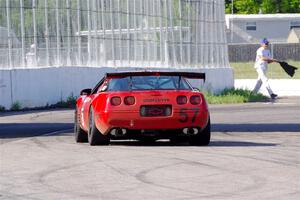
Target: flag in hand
289,69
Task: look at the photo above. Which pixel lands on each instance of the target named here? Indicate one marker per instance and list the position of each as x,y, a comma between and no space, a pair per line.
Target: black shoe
273,96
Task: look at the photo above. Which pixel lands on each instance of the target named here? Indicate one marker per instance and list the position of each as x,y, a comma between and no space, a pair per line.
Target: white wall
39,87
275,27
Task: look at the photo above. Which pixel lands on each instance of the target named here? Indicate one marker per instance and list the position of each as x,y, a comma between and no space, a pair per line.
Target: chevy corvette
144,105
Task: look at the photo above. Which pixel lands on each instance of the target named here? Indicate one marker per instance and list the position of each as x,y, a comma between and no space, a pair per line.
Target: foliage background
263,6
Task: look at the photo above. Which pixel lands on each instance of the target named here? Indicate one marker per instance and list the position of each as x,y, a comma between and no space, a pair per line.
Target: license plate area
156,110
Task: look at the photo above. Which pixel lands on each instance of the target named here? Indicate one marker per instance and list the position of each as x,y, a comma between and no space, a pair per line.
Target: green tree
242,6
247,6
269,6
294,6
266,6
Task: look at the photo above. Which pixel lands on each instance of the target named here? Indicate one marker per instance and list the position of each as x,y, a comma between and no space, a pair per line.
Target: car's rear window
148,83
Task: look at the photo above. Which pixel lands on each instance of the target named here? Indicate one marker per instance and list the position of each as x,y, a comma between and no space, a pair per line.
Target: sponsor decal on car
156,100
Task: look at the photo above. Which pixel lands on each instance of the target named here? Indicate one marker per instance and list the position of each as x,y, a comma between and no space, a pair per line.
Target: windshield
148,83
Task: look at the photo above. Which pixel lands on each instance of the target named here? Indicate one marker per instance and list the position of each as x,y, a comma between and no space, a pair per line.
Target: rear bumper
184,118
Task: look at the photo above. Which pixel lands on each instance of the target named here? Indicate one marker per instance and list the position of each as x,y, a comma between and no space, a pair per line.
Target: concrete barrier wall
39,87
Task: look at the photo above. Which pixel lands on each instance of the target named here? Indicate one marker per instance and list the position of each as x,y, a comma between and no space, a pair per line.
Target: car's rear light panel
181,100
129,100
195,100
115,101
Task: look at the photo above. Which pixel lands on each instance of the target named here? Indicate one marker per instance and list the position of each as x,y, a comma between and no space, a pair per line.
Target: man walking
263,57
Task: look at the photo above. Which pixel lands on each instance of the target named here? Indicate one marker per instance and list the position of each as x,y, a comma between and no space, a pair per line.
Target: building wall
293,37
276,29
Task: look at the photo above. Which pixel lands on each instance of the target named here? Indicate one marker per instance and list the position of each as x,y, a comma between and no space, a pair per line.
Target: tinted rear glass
148,83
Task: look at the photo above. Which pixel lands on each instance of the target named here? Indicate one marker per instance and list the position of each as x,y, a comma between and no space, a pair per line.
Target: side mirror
86,91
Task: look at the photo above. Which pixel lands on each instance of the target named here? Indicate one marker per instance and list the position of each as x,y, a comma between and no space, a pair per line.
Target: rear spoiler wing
190,75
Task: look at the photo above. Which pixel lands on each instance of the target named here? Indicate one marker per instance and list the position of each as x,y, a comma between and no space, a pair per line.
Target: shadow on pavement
240,144
166,143
278,127
23,130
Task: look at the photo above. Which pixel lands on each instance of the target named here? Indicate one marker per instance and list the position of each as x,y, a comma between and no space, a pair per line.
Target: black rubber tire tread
94,135
203,137
79,134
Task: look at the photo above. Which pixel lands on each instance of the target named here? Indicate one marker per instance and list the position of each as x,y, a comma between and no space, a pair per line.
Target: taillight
181,100
130,100
195,100
115,101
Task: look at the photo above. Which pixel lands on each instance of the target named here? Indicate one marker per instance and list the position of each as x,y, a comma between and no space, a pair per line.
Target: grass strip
233,96
245,70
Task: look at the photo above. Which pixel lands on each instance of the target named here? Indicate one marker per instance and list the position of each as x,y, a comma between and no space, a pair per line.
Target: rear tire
202,138
95,137
79,134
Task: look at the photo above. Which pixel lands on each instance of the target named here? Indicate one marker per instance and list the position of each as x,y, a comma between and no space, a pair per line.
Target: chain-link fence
138,33
247,52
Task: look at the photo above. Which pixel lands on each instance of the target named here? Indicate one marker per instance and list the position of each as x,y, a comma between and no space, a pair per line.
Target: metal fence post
58,45
9,34
181,34
89,32
120,32
68,34
23,61
34,31
46,33
95,35
112,32
161,49
197,23
189,52
79,33
135,31
147,13
142,29
128,33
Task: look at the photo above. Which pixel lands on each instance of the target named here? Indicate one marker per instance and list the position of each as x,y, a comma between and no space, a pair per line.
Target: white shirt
259,63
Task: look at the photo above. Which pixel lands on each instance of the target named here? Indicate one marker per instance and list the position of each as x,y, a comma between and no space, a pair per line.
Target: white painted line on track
280,103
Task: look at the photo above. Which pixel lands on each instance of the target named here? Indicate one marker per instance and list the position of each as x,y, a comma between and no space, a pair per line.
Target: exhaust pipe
118,132
185,131
190,131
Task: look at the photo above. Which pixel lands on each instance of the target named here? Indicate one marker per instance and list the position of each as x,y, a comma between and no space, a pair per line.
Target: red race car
145,106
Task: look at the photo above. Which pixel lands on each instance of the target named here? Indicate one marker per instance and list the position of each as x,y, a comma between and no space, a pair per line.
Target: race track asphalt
254,154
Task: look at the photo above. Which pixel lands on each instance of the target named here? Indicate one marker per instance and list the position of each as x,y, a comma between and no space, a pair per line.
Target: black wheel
94,135
202,138
79,134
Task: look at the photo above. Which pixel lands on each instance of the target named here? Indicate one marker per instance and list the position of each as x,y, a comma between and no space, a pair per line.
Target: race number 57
184,117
